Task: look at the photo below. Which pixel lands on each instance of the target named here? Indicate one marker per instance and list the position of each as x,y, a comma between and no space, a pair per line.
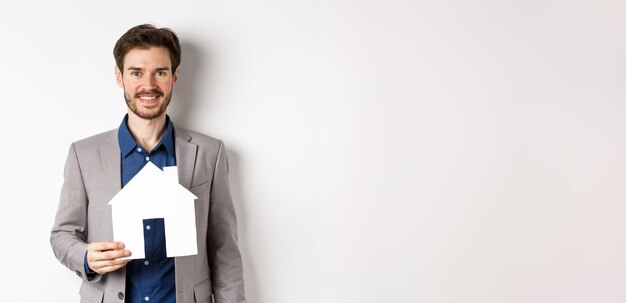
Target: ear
118,77
175,77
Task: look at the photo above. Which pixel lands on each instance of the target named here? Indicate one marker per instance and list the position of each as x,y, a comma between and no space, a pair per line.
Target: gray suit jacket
92,177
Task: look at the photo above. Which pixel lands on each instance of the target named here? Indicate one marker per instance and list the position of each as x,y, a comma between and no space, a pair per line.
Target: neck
146,132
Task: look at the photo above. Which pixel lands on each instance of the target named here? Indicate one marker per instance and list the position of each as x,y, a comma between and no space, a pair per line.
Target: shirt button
139,149
146,263
147,158
147,298
148,227
120,295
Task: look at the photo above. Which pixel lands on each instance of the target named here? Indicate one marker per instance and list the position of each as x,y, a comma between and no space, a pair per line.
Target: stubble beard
148,115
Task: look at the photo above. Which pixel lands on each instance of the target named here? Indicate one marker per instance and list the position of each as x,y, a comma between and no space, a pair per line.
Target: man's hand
102,257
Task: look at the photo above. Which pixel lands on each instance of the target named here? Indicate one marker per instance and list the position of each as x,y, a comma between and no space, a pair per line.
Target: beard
148,114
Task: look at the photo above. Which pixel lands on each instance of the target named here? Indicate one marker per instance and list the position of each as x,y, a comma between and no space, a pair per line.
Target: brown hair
145,36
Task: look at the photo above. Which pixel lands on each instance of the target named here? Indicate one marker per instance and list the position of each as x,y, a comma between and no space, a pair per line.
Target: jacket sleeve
222,247
69,235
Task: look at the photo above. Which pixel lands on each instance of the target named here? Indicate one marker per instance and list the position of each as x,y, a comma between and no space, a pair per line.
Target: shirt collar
127,142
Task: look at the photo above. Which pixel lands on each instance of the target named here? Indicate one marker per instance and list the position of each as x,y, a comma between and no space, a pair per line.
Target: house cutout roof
153,193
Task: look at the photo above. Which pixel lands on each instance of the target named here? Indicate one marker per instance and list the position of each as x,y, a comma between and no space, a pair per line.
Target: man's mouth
148,99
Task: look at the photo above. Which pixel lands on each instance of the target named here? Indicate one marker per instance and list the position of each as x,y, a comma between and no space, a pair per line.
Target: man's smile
149,99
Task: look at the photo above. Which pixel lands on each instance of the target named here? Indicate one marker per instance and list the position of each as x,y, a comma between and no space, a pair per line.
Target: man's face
148,81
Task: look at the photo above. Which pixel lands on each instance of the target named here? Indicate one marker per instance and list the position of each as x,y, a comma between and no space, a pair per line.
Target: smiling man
150,65
147,60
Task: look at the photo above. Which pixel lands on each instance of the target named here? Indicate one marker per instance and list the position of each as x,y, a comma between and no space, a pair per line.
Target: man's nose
148,83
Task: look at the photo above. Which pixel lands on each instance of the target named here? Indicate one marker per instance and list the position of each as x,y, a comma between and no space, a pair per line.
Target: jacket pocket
90,293
202,291
198,189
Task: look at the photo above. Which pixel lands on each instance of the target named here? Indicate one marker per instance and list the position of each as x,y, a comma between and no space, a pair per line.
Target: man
147,60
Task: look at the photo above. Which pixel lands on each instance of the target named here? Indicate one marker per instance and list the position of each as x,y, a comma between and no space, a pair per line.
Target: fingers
106,245
103,267
108,269
103,257
95,255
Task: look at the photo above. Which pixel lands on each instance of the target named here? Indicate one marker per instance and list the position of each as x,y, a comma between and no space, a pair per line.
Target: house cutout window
153,235
153,193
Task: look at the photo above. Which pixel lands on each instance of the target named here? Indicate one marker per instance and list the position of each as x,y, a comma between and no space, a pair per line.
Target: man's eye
160,74
134,73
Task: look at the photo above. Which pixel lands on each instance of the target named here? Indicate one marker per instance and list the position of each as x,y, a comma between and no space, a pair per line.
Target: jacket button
79,274
120,295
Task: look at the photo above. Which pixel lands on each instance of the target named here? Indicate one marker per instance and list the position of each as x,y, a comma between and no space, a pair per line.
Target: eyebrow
141,68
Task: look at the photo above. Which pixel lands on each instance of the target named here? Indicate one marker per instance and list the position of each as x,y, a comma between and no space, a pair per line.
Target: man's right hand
102,257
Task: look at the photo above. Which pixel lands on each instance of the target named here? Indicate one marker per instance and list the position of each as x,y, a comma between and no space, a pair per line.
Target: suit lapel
185,161
112,182
185,156
112,177
111,163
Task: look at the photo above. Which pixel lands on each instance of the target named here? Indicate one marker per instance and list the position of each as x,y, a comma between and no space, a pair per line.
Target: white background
381,151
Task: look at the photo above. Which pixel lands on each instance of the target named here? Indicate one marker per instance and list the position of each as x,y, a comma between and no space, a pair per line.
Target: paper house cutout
153,194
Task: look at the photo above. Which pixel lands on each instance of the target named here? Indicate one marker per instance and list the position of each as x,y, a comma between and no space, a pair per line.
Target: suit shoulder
203,140
96,141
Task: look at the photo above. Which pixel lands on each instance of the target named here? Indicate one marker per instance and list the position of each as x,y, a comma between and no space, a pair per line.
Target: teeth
147,97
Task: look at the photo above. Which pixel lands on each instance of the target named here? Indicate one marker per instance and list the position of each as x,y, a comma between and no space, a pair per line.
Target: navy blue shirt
151,279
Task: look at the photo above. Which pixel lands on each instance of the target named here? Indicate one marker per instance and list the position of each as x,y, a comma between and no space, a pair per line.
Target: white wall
381,151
